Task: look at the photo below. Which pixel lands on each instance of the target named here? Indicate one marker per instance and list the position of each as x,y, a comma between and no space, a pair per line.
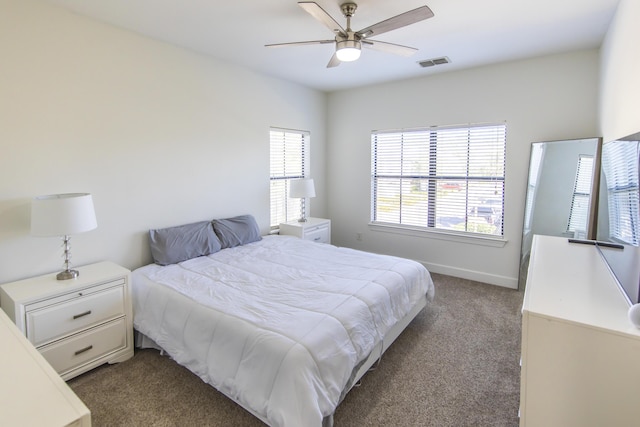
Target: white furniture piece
580,352
315,229
76,324
31,392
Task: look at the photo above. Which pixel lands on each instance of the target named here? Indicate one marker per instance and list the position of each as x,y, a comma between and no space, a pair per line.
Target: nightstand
75,324
315,229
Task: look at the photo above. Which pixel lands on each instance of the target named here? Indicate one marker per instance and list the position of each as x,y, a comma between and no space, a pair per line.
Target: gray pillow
236,231
176,244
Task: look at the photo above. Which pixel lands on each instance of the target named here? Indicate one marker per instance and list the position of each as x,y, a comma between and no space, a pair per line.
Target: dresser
75,324
31,392
314,229
580,353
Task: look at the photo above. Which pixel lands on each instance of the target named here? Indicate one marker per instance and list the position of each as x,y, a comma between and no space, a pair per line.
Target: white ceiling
469,32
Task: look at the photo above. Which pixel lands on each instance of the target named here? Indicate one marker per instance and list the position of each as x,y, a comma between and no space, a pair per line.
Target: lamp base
303,219
67,274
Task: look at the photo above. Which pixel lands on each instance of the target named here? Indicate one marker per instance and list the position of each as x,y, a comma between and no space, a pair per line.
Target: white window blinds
448,178
620,166
579,211
289,160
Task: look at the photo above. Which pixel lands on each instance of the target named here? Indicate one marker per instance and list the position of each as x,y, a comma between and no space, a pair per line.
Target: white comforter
279,324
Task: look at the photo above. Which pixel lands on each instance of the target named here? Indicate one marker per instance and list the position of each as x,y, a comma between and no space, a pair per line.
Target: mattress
279,325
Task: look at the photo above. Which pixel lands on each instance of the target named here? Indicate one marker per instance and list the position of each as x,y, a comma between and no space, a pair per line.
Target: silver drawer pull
316,239
86,313
82,350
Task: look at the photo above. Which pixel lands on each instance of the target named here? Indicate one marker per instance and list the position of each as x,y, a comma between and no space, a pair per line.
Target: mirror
559,202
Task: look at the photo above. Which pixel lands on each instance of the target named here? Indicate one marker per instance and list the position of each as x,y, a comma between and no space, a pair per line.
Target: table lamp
302,189
63,215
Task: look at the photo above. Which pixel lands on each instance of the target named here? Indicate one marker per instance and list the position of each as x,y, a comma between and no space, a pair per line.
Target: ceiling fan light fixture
348,43
348,50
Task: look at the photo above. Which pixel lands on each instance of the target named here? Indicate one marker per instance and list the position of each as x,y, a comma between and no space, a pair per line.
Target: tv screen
618,224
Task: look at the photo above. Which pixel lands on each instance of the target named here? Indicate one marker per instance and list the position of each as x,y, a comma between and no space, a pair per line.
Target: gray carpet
456,364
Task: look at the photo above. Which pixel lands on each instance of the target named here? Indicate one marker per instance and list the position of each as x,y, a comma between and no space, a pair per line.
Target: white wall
541,99
620,74
159,135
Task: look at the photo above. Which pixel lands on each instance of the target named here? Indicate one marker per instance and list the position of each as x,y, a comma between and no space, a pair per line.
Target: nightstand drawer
58,320
87,346
318,234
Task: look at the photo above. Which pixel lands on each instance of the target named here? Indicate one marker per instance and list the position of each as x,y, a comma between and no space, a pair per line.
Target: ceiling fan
348,42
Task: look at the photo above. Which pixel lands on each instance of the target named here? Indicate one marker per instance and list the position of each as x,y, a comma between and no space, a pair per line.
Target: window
537,154
289,160
579,211
620,165
444,178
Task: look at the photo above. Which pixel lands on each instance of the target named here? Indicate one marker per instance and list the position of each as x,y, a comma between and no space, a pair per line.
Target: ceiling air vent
434,61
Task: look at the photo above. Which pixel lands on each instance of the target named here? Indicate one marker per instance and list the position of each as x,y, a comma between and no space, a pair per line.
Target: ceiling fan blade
396,49
321,15
333,62
398,21
300,43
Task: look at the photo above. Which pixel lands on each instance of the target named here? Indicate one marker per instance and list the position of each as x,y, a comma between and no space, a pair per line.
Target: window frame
430,229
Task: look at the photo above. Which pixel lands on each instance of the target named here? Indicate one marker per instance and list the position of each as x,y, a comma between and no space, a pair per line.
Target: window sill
452,236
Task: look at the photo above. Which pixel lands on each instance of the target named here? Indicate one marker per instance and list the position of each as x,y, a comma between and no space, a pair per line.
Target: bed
281,325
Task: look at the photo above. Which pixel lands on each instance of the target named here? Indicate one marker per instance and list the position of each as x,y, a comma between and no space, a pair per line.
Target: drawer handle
86,313
82,350
316,239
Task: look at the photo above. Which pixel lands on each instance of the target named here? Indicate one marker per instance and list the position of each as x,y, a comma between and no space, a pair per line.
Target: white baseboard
478,276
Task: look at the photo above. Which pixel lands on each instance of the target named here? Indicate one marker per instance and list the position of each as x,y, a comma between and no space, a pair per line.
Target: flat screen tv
618,222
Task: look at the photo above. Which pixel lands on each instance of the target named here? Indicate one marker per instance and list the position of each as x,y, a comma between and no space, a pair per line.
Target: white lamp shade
301,188
62,214
348,54
348,50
